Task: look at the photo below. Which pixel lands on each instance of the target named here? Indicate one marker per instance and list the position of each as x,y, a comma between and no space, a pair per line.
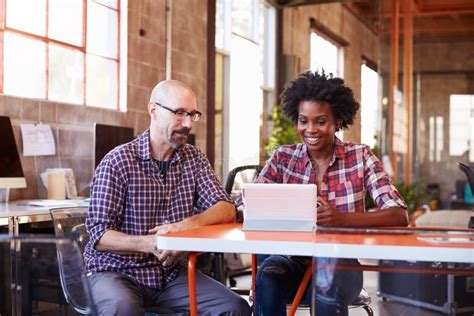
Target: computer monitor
11,172
107,137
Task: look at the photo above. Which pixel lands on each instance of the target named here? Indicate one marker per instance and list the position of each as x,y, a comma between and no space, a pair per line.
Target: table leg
192,284
12,226
254,275
301,289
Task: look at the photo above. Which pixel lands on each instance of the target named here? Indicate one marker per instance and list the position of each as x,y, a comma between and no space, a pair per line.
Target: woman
344,173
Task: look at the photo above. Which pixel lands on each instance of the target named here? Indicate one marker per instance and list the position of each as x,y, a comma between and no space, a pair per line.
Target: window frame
118,60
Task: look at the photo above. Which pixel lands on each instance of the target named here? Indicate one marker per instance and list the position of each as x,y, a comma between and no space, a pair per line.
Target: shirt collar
338,153
144,152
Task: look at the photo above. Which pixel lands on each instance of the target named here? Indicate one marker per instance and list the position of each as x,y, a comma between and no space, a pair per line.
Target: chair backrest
70,223
28,250
469,174
238,264
240,175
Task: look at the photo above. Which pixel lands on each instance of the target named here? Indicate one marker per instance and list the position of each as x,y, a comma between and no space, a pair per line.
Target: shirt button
167,221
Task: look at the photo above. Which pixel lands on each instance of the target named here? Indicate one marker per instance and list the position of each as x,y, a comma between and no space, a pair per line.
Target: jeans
117,294
278,279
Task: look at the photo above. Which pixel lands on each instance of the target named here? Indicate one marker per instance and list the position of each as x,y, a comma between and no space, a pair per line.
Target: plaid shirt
352,172
130,195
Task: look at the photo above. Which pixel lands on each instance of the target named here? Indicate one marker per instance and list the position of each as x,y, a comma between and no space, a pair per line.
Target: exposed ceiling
434,20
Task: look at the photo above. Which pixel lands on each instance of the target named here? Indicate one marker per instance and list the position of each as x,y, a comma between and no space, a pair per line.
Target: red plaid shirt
130,195
352,172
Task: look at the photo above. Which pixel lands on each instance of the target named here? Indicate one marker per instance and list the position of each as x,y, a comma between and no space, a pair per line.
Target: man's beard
179,138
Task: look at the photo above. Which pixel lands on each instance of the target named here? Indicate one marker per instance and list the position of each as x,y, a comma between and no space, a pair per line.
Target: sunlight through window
369,106
24,67
50,54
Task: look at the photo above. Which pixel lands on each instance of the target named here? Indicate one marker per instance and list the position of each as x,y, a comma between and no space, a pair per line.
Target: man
151,186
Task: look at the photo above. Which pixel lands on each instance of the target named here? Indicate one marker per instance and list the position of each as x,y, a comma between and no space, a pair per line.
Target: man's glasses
182,114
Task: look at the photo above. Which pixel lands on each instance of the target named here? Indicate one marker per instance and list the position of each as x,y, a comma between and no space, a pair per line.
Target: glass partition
393,272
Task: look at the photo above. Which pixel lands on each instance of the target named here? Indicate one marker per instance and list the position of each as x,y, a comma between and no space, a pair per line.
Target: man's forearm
115,241
219,213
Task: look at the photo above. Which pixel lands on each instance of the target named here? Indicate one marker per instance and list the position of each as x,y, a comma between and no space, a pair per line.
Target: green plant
412,194
375,149
283,131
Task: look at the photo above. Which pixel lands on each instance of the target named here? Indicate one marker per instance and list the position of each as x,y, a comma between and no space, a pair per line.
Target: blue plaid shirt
130,195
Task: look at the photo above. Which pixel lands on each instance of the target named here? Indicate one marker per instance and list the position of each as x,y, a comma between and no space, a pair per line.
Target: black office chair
240,175
233,186
470,178
469,174
70,223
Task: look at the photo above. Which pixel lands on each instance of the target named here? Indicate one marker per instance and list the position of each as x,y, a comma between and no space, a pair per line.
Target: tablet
279,206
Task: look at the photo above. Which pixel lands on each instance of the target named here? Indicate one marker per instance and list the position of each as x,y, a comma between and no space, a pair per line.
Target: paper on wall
38,140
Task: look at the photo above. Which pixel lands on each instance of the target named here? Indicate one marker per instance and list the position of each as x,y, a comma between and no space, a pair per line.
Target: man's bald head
168,90
171,108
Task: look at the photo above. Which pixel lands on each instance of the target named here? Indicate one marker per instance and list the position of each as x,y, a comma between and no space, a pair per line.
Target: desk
231,238
15,213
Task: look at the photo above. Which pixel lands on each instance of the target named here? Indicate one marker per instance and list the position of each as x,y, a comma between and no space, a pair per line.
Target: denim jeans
278,279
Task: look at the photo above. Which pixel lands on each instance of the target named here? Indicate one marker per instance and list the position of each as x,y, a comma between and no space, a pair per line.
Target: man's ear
152,110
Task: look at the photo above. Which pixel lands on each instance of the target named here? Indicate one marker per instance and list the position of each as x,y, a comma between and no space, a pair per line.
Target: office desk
15,213
231,238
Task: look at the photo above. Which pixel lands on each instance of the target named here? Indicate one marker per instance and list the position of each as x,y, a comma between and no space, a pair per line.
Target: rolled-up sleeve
107,200
379,185
209,191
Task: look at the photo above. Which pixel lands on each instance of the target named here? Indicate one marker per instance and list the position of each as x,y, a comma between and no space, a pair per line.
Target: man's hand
170,228
169,257
328,215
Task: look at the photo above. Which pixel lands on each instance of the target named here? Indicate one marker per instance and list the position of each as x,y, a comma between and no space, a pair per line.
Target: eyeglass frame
191,115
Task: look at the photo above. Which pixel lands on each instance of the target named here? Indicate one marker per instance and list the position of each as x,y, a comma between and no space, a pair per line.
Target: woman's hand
328,215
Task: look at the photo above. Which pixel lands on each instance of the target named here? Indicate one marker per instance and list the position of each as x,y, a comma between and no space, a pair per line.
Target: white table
231,238
14,213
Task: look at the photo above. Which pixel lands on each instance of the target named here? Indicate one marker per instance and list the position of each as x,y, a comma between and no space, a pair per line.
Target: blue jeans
278,279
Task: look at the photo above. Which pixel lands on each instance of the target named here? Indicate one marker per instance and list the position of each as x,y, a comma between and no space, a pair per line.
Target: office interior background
72,64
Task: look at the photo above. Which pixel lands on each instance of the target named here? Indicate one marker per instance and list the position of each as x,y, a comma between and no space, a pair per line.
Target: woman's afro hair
314,86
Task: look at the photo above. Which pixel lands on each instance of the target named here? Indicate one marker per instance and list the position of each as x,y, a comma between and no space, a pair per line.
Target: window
245,18
326,55
461,125
245,79
370,108
436,138
65,50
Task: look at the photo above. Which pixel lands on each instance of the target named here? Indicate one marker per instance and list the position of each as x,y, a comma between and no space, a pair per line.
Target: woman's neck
322,157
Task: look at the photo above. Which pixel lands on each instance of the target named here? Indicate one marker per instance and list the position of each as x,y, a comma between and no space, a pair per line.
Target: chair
469,174
363,300
240,175
233,185
23,251
70,223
